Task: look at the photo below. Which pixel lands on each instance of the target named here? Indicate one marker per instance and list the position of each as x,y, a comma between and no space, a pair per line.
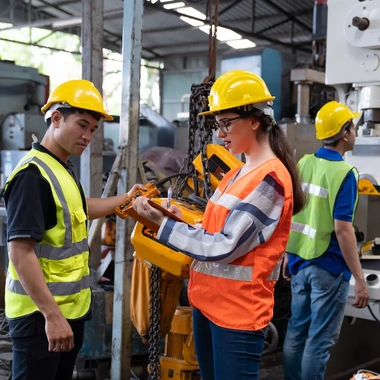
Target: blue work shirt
332,260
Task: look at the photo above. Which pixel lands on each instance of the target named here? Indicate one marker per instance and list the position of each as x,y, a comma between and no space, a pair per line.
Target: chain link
154,323
203,126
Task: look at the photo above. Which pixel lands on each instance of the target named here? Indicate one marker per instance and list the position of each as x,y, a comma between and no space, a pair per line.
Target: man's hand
59,333
285,268
101,207
136,187
361,294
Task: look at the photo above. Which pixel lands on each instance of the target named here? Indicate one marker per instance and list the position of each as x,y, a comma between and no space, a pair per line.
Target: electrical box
17,130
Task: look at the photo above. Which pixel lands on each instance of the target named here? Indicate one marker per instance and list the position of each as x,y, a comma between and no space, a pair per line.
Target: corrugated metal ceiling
283,23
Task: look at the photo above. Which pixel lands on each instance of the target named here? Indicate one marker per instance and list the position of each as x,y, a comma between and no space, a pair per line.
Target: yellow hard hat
237,88
331,118
78,93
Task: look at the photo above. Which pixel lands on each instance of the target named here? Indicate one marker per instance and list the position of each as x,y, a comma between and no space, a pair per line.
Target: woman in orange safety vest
238,250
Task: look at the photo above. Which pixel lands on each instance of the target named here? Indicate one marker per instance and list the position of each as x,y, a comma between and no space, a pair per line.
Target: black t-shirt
29,201
31,211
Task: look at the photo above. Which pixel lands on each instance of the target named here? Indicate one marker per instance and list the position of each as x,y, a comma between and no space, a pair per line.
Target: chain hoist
203,127
154,322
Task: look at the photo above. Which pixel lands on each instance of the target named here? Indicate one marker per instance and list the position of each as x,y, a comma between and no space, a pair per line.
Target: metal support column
91,162
129,139
303,100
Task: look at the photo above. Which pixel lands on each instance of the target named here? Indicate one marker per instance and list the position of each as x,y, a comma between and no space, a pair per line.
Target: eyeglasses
223,124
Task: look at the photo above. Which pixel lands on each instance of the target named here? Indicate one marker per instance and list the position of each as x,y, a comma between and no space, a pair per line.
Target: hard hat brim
206,113
268,99
104,116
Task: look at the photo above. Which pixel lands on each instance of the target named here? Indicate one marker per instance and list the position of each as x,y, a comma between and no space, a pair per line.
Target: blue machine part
271,65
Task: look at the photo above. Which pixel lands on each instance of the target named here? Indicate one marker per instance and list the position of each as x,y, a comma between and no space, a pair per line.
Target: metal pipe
303,101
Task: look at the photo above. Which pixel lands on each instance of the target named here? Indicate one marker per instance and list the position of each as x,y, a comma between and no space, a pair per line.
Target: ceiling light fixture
189,11
241,44
174,5
191,21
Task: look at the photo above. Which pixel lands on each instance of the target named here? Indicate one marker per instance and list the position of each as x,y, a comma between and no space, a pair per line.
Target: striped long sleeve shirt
251,221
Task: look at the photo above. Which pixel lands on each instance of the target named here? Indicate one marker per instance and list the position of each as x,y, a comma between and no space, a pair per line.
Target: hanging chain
154,323
203,126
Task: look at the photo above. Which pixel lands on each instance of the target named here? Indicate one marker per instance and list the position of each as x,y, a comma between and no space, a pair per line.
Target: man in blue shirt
322,249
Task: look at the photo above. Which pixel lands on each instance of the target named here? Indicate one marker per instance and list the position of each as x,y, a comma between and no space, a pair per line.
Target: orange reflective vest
240,295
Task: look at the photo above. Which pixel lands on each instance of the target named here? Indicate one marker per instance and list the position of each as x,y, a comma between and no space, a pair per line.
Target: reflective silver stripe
304,229
275,275
315,190
45,251
231,272
61,197
24,162
56,288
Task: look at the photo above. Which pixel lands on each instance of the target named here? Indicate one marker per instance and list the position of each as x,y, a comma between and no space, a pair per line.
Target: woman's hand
173,209
143,208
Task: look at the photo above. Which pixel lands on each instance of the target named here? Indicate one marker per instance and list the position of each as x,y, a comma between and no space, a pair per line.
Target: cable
372,313
169,177
134,376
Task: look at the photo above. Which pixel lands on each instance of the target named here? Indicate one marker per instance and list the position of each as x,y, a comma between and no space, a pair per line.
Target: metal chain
154,323
204,127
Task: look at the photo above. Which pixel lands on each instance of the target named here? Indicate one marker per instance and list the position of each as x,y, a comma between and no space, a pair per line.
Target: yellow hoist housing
149,248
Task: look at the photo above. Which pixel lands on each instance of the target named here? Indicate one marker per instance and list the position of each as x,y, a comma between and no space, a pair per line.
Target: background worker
48,294
238,250
322,249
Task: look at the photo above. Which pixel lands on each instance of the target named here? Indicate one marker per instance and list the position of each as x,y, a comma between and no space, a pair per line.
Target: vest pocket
79,225
69,270
67,278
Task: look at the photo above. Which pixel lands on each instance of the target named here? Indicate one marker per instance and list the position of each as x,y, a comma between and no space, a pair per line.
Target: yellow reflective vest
312,228
62,253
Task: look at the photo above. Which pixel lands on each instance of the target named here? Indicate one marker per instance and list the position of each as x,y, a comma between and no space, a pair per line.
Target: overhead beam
226,9
273,26
106,45
58,23
244,33
40,46
55,5
186,26
289,15
202,46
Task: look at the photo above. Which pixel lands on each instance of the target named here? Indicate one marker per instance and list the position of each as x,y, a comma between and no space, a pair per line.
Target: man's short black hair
346,128
66,112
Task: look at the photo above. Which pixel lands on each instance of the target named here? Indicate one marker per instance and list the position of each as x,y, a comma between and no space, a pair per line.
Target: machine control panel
17,130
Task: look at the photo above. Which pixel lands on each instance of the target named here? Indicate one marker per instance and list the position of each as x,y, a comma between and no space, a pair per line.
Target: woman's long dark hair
281,148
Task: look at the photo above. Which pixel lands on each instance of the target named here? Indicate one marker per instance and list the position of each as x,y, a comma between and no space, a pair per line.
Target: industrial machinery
352,67
22,91
277,70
